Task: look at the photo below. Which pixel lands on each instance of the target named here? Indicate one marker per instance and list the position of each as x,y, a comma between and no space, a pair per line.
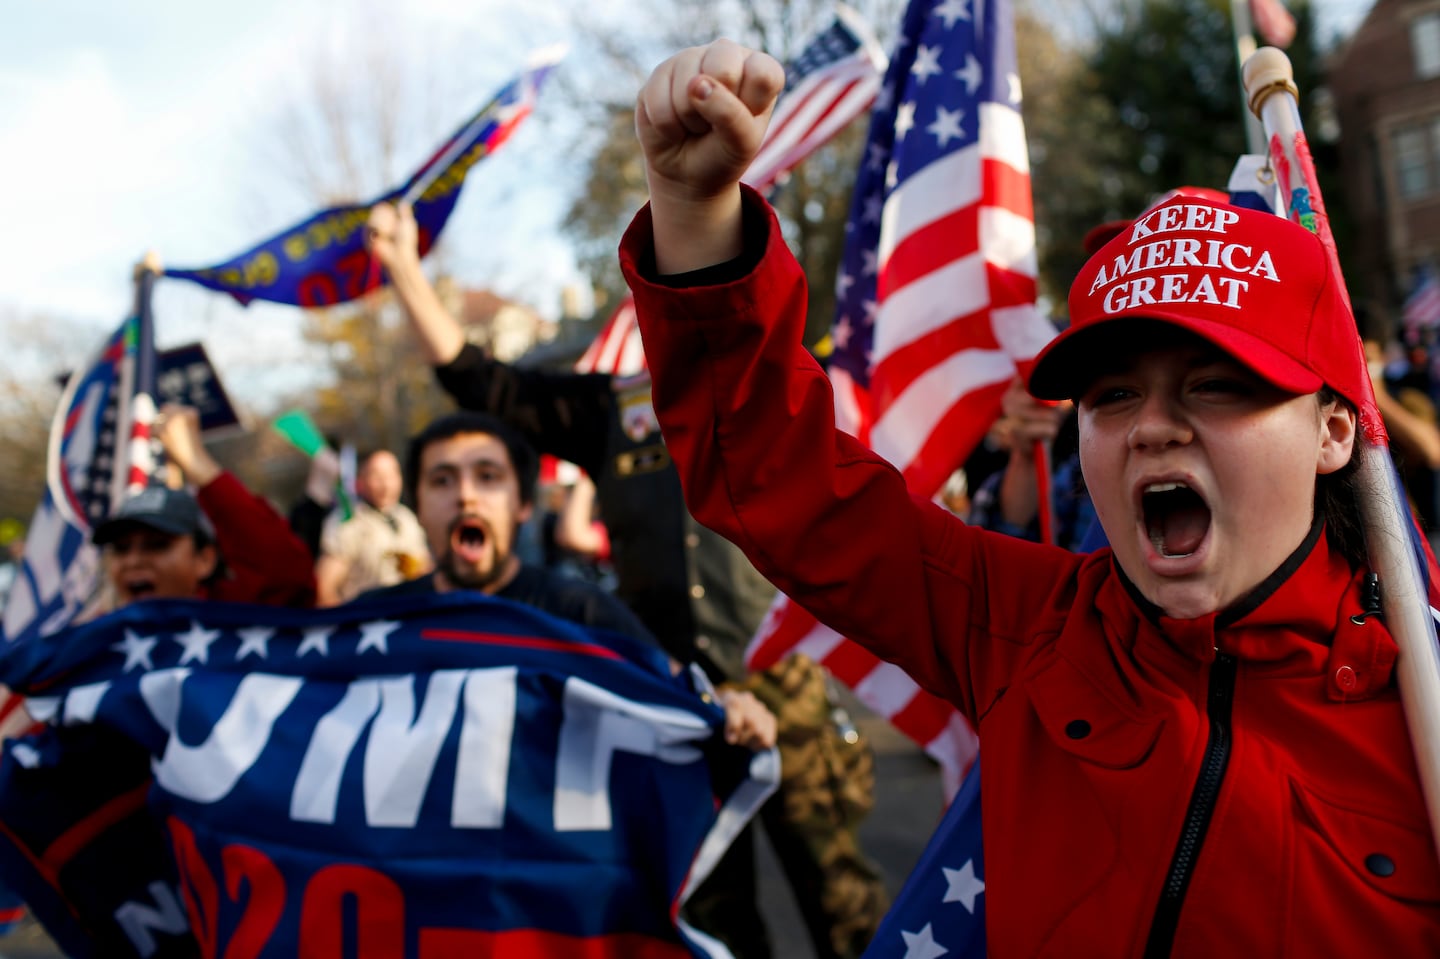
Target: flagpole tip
149,263
1265,71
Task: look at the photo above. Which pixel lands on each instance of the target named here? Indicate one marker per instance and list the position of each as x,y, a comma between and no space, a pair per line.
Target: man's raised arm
393,237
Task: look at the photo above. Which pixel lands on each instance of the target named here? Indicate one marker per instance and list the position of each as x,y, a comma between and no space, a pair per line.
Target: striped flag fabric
1273,22
1421,311
834,79
935,304
616,349
95,432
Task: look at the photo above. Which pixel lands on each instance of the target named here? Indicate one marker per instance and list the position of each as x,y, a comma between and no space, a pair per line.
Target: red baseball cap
1254,284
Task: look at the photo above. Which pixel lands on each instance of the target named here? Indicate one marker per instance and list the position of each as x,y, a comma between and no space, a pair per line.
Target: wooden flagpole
1273,97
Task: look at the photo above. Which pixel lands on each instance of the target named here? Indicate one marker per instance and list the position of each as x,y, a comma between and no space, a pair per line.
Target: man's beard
464,575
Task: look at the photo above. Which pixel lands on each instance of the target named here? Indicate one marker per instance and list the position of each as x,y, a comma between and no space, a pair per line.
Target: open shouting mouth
468,538
1176,518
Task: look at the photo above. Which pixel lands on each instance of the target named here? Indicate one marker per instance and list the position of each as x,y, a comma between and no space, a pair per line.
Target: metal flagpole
1244,28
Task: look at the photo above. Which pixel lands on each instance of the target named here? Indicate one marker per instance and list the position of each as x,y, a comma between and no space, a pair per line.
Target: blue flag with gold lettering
458,778
323,261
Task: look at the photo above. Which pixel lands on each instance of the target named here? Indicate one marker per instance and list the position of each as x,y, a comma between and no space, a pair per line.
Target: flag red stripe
961,427
851,663
520,642
788,627
924,717
1006,187
929,248
896,372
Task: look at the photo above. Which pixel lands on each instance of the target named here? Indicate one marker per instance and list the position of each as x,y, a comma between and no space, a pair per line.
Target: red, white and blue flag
936,305
1421,311
459,777
322,260
99,452
833,80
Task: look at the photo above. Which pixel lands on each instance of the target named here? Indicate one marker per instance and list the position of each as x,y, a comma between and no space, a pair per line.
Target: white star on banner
927,63
136,650
842,285
1014,80
869,263
952,10
922,944
875,157
962,885
842,333
970,74
316,638
196,642
947,125
874,207
255,640
884,99
904,120
372,635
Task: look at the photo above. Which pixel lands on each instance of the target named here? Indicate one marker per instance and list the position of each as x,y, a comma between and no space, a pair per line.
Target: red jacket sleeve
265,562
748,416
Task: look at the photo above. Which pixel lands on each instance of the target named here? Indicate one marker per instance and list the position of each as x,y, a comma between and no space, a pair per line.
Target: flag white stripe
949,184
929,303
1002,137
901,431
887,689
1008,240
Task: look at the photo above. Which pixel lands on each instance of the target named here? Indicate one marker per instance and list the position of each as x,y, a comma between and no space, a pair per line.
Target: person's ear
1337,437
207,559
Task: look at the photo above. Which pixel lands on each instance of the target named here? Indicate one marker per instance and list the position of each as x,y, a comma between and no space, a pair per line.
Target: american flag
936,303
1422,307
833,80
100,452
1273,22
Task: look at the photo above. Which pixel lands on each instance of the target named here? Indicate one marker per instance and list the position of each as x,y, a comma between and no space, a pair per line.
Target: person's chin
469,577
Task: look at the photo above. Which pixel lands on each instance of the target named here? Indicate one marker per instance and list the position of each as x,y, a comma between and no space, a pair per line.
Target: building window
1425,43
1412,161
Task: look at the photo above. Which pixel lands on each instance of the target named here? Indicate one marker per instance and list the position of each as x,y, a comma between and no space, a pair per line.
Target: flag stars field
196,642
136,650
946,126
952,10
373,635
254,640
970,75
922,944
927,64
317,638
962,885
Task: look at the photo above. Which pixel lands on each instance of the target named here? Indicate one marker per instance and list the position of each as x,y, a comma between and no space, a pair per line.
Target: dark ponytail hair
1335,499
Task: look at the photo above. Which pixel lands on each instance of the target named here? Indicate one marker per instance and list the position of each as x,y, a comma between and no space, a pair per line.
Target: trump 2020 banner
323,260
457,777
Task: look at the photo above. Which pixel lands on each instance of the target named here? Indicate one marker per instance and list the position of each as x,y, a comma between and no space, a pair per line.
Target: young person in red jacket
223,542
1194,742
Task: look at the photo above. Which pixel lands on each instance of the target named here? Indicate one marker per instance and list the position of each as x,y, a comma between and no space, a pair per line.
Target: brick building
1385,81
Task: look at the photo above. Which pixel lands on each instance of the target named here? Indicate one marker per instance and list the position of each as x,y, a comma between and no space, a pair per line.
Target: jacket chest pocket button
1380,864
1077,729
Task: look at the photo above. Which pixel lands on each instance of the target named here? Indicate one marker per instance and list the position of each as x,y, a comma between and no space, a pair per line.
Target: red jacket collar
1305,618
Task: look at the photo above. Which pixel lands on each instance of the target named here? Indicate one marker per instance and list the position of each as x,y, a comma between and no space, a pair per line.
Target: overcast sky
149,124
